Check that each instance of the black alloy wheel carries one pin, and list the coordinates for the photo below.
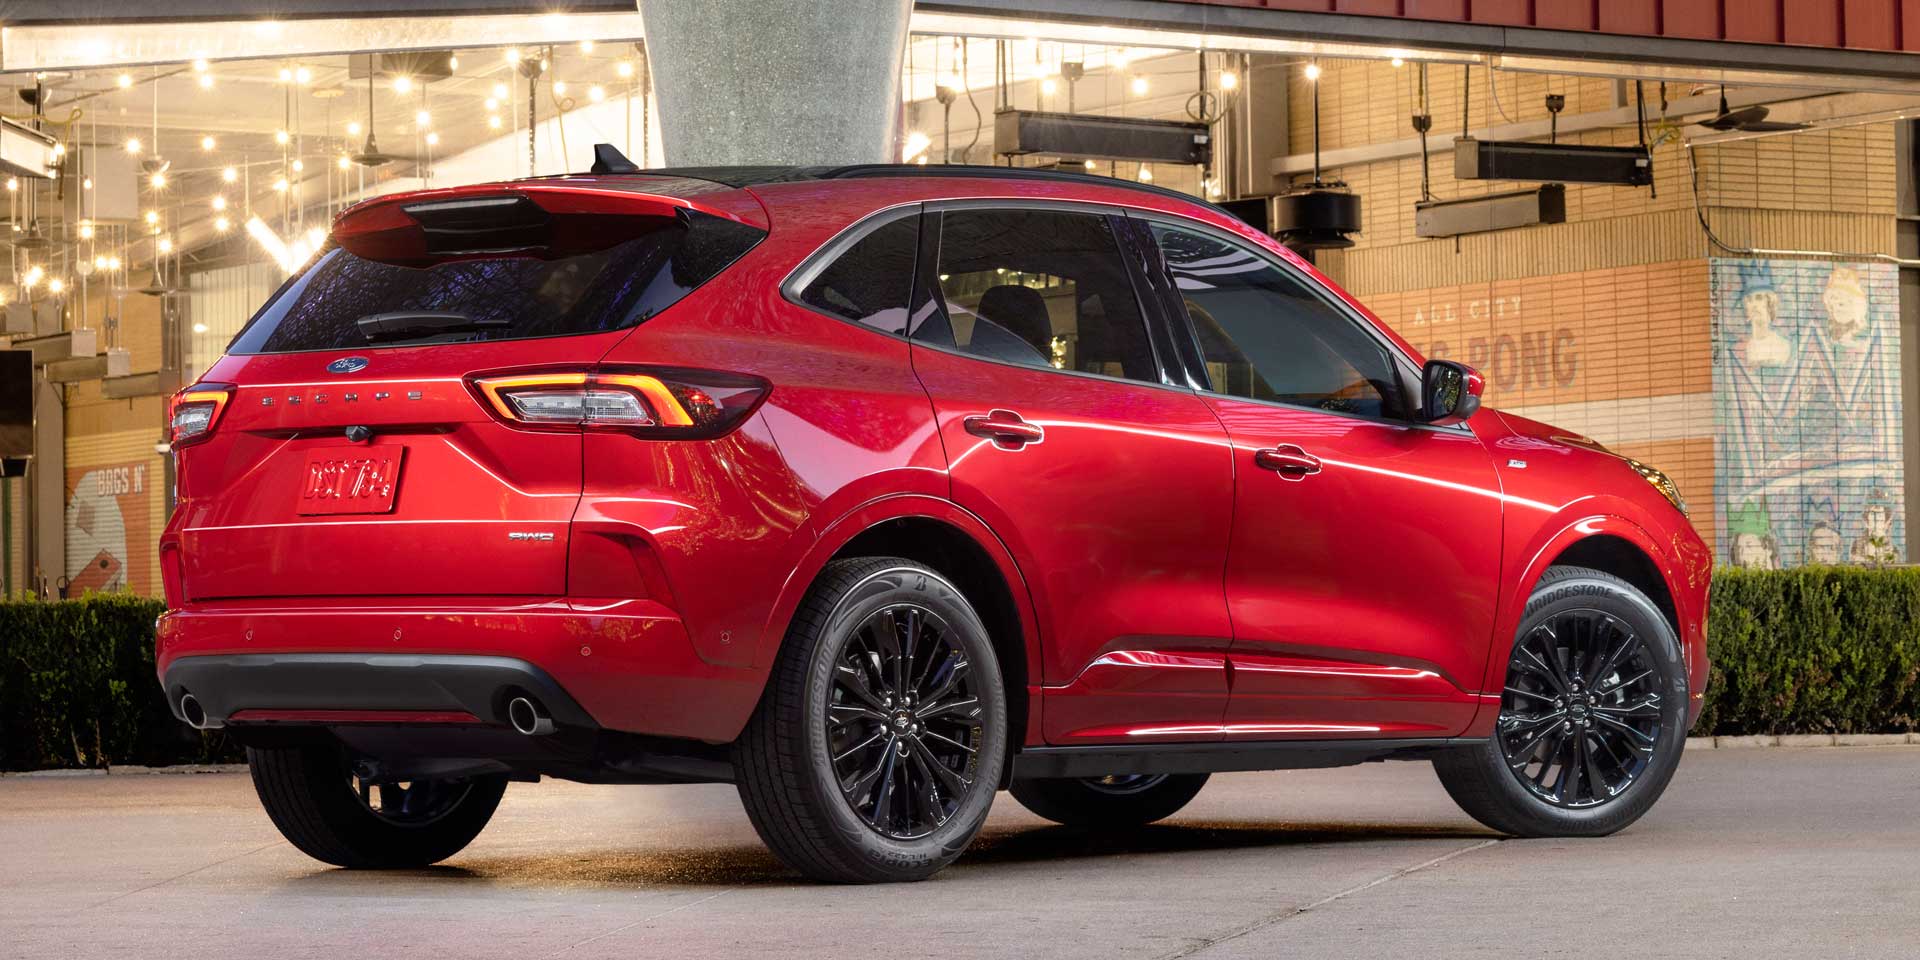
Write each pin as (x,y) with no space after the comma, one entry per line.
(1593,714)
(903,725)
(1580,717)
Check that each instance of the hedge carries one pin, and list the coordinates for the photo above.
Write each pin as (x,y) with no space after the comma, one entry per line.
(1809,650)
(77,688)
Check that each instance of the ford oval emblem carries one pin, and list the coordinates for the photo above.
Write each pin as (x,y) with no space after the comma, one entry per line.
(347,365)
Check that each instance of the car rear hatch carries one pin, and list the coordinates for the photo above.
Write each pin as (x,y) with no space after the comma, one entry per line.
(348,444)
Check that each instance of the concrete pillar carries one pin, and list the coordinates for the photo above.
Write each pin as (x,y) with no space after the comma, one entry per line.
(776,81)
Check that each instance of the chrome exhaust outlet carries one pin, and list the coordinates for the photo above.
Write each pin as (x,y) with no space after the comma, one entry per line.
(195,714)
(529,717)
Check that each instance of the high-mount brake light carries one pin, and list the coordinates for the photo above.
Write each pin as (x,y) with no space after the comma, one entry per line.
(195,411)
(689,404)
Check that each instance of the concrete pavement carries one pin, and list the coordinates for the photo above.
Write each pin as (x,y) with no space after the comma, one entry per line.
(1753,853)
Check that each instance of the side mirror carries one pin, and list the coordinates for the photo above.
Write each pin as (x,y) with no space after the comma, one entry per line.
(1449,392)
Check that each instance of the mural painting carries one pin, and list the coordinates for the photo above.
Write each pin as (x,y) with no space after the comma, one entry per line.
(1807,406)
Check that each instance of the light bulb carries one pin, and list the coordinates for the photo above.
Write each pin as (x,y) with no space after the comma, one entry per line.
(453,63)
(499,91)
(201,327)
(219,201)
(423,119)
(165,244)
(1146,175)
(345,162)
(152,217)
(493,122)
(206,81)
(159,179)
(596,93)
(586,46)
(280,137)
(1313,71)
(402,83)
(353,128)
(559,88)
(13,183)
(124,80)
(1089,164)
(100,262)
(86,184)
(286,74)
(1229,80)
(280,185)
(56,285)
(1139,86)
(916,145)
(33,275)
(1398,62)
(220,224)
(86,231)
(207,143)
(200,65)
(1048,86)
(624,69)
(493,103)
(113,263)
(229,174)
(513,55)
(433,138)
(302,75)
(133,144)
(299,165)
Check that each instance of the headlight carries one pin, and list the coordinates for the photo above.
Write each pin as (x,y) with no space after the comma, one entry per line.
(1661,482)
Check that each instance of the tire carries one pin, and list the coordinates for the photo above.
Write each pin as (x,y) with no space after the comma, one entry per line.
(1104,803)
(310,795)
(1551,715)
(813,788)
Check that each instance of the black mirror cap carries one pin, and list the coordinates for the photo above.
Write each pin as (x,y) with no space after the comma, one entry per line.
(1449,392)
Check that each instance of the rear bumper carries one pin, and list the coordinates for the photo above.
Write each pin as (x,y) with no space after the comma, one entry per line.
(626,666)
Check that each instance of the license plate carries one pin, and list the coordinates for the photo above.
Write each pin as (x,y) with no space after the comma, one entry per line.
(350,480)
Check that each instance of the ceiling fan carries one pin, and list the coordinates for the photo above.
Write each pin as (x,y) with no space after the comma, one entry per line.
(370,155)
(1746,119)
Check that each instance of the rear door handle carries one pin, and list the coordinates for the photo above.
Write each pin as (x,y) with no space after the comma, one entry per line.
(1287,460)
(1004,427)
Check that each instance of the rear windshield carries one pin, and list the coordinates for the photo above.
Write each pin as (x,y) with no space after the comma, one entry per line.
(506,297)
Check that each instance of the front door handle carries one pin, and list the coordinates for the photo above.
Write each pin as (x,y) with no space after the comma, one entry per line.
(1004,427)
(1287,460)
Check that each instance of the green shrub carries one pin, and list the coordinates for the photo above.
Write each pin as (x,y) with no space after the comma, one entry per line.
(77,688)
(1810,650)
(1813,650)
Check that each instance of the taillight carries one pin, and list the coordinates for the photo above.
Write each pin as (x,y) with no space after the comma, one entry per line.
(195,411)
(690,404)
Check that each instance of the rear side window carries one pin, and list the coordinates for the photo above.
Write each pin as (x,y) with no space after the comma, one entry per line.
(507,297)
(870,281)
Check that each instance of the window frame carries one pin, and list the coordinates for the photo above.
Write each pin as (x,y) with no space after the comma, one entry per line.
(810,267)
(1177,319)
(1159,339)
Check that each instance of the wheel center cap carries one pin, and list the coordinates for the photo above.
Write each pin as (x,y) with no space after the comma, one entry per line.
(902,720)
(1578,709)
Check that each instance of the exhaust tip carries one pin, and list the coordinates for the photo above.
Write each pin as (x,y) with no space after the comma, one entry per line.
(196,715)
(529,717)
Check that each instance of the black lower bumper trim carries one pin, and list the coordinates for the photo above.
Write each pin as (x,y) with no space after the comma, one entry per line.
(477,685)
(1123,759)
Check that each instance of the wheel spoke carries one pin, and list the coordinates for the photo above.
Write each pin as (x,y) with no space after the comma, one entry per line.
(854,681)
(928,796)
(1628,642)
(858,786)
(1533,664)
(856,748)
(951,706)
(883,794)
(1596,780)
(841,714)
(1650,707)
(955,782)
(955,674)
(1637,741)
(943,738)
(1516,724)
(1622,685)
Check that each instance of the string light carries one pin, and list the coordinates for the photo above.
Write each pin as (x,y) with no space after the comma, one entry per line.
(200,65)
(280,137)
(916,145)
(1048,86)
(207,144)
(219,201)
(453,62)
(113,263)
(423,119)
(302,75)
(596,93)
(1146,175)
(124,80)
(13,183)
(86,184)
(220,224)
(299,165)
(353,128)
(286,74)
(153,217)
(1313,71)
(1399,62)
(133,144)
(200,328)
(33,275)
(165,244)
(229,175)
(345,162)
(586,46)
(624,69)
(280,185)
(159,179)
(499,91)
(493,122)
(1139,86)
(493,103)
(86,231)
(1089,165)
(433,139)
(559,88)
(1229,80)
(56,286)
(513,55)
(206,81)
(402,83)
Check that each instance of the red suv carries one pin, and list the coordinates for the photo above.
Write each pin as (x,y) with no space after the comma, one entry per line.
(875,490)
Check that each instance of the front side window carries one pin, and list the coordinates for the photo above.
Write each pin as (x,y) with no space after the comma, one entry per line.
(1039,288)
(1267,334)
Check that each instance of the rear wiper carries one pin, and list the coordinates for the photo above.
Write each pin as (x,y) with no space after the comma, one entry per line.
(409,324)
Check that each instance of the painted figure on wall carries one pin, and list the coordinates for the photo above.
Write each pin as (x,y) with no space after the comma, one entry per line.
(1807,394)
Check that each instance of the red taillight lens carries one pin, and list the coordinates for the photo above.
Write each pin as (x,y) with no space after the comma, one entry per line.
(195,411)
(689,404)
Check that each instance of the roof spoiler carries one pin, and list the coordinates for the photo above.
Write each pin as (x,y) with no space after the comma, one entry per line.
(608,159)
